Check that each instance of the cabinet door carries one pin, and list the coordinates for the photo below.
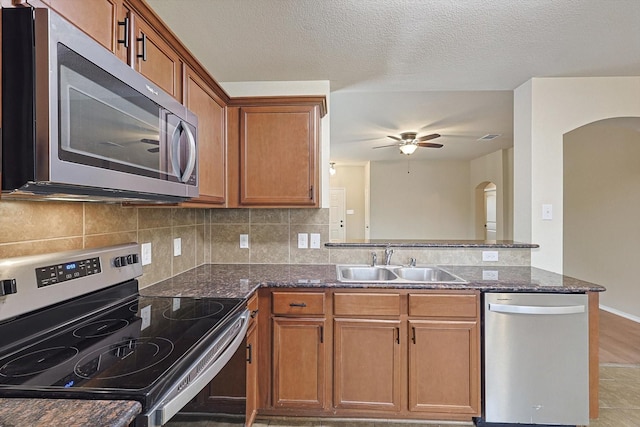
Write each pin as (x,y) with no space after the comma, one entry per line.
(210,109)
(252,375)
(98,18)
(155,59)
(298,363)
(444,367)
(278,155)
(367,364)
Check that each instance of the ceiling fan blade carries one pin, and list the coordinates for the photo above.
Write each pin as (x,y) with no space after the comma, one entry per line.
(394,137)
(385,146)
(429,137)
(429,145)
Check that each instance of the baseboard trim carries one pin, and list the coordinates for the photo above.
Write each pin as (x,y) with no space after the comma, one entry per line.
(620,313)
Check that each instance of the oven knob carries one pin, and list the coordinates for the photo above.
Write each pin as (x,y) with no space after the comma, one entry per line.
(120,261)
(132,259)
(8,286)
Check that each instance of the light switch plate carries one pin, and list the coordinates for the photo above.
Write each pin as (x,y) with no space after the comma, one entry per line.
(244,241)
(177,246)
(547,212)
(303,240)
(145,252)
(489,255)
(315,241)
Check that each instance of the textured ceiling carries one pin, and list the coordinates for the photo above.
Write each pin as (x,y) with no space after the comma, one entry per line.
(445,66)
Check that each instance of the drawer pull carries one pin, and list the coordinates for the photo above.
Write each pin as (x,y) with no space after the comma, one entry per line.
(297,304)
(254,313)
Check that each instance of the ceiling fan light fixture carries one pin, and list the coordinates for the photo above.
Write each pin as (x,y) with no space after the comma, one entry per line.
(408,148)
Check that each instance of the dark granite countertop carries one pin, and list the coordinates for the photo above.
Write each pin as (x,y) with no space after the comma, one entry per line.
(63,412)
(399,243)
(241,280)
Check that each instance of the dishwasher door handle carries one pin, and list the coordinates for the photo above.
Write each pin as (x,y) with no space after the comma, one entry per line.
(535,309)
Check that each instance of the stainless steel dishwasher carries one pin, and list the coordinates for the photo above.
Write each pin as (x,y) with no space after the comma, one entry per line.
(536,359)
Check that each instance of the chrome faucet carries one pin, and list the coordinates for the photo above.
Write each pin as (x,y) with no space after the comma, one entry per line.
(374,259)
(387,256)
(412,263)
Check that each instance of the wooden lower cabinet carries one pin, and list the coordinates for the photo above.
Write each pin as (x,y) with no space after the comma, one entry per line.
(299,363)
(367,369)
(252,374)
(387,354)
(444,367)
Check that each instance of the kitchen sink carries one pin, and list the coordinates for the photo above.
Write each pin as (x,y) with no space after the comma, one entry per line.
(365,274)
(425,274)
(396,274)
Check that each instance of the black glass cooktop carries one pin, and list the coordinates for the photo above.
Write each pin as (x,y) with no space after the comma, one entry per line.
(129,348)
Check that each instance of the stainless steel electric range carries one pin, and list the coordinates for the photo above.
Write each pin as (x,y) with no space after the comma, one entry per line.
(72,325)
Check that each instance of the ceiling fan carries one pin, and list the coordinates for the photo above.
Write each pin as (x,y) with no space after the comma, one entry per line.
(408,143)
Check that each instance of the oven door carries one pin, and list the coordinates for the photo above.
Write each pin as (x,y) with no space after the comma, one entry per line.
(199,373)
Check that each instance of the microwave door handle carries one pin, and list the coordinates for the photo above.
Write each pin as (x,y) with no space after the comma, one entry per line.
(175,152)
(191,163)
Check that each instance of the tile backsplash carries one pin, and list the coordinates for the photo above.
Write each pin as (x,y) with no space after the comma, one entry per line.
(208,236)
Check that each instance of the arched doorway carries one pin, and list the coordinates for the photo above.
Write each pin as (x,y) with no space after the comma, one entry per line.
(486,211)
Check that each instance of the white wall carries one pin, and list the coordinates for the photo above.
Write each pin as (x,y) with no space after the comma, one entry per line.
(430,202)
(544,110)
(602,208)
(274,88)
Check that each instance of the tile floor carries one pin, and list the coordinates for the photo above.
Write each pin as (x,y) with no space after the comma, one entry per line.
(619,407)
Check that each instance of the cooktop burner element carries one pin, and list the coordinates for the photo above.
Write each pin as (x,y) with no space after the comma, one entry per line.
(104,363)
(94,336)
(100,328)
(199,310)
(37,361)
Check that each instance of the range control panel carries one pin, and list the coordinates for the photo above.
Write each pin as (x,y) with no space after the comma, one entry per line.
(52,274)
(32,282)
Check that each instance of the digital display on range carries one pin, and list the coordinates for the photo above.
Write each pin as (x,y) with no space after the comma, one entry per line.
(52,274)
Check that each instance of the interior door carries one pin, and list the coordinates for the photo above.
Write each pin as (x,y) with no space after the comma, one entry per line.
(338,225)
(490,214)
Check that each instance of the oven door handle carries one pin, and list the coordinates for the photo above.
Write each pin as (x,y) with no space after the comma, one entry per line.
(167,408)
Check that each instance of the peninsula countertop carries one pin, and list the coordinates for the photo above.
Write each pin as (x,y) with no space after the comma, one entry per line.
(242,280)
(67,412)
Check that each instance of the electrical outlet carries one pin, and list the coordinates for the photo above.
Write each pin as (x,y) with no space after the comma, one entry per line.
(145,252)
(303,240)
(490,255)
(315,241)
(177,246)
(244,241)
(489,275)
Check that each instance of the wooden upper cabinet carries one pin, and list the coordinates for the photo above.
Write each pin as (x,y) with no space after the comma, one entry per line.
(104,20)
(155,59)
(279,153)
(211,112)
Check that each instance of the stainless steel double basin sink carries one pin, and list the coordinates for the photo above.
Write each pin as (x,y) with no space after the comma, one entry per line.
(395,273)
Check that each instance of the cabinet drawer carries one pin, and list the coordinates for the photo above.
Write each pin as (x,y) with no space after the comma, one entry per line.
(443,305)
(366,304)
(302,303)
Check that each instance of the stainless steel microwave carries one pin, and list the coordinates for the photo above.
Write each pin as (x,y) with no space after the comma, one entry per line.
(78,123)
